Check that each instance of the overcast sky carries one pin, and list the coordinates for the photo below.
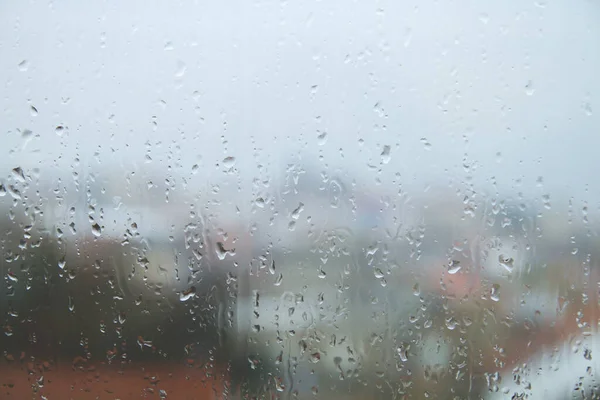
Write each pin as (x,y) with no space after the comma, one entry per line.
(508,88)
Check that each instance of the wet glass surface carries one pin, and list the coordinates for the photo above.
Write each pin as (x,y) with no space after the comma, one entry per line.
(299,200)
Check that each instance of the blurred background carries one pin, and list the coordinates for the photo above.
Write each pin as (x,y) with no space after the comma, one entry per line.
(281,200)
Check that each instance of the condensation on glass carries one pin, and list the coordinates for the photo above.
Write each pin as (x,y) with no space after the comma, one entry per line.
(299,200)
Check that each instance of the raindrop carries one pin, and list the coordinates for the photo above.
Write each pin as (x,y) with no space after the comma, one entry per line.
(59,130)
(454,266)
(506,262)
(26,134)
(187,294)
(279,279)
(18,174)
(253,361)
(181,68)
(315,357)
(96,230)
(297,211)
(385,154)
(426,143)
(279,385)
(23,65)
(546,201)
(407,37)
(33,111)
(12,277)
(322,138)
(272,268)
(495,292)
(61,263)
(260,202)
(402,353)
(529,89)
(222,252)
(229,162)
(416,290)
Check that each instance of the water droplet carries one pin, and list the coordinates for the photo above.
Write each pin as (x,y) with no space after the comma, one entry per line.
(402,353)
(33,111)
(181,68)
(59,130)
(426,143)
(61,263)
(23,65)
(297,211)
(187,294)
(279,279)
(12,277)
(407,37)
(96,230)
(272,268)
(495,292)
(529,89)
(506,262)
(26,134)
(321,138)
(279,385)
(222,252)
(18,174)
(454,266)
(260,202)
(416,290)
(315,357)
(587,108)
(169,46)
(546,200)
(385,154)
(253,361)
(229,162)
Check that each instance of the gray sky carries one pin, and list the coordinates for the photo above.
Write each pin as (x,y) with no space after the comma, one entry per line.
(508,88)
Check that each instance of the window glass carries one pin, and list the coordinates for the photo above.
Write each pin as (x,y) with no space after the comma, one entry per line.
(299,199)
